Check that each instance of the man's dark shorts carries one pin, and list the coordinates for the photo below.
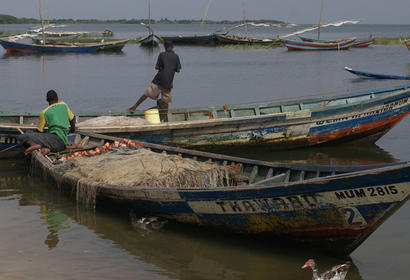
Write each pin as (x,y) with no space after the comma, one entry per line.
(45,140)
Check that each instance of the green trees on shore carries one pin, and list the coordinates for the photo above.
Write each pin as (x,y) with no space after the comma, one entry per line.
(7,19)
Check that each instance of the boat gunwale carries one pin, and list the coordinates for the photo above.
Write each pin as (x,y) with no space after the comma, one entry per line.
(294,101)
(350,171)
(315,115)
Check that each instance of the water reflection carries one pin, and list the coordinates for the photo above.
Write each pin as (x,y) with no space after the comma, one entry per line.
(177,251)
(347,154)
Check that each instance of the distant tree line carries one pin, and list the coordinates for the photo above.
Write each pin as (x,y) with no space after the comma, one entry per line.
(7,19)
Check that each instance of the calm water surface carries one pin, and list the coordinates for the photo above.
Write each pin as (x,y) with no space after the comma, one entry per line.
(44,235)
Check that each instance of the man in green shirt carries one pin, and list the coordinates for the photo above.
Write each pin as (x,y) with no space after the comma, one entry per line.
(60,121)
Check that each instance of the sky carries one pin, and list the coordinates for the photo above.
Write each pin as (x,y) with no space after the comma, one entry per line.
(291,11)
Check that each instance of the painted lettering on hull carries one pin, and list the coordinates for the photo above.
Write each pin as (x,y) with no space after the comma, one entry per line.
(336,199)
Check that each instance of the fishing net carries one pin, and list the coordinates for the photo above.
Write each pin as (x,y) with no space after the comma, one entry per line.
(114,121)
(142,167)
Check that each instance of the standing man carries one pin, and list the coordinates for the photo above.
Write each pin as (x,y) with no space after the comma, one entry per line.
(60,121)
(167,64)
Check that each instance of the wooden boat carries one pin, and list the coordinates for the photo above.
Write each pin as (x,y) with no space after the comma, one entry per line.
(376,75)
(294,45)
(149,41)
(363,115)
(407,43)
(17,47)
(105,45)
(331,208)
(236,40)
(208,39)
(359,42)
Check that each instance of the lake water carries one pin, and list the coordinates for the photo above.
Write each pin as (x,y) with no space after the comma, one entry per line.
(44,235)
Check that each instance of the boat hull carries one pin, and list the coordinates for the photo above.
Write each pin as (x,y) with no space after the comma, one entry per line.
(234,40)
(149,41)
(359,43)
(335,213)
(351,117)
(16,47)
(376,75)
(191,40)
(293,45)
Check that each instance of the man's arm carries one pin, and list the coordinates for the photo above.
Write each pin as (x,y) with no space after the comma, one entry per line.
(71,117)
(178,65)
(72,125)
(42,123)
(160,63)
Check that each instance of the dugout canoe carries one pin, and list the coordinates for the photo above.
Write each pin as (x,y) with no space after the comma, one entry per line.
(332,208)
(364,115)
(18,47)
(372,75)
(295,45)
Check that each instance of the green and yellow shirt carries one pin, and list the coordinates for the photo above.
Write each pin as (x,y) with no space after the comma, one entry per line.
(57,118)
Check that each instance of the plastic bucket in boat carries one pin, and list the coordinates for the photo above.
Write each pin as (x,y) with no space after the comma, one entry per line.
(152,115)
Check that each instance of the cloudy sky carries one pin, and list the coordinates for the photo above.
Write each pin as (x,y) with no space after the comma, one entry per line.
(293,11)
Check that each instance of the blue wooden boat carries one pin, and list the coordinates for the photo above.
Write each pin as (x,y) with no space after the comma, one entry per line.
(359,42)
(364,115)
(372,75)
(18,47)
(295,45)
(332,208)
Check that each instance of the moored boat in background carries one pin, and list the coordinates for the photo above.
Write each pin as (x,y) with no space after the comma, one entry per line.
(407,43)
(332,208)
(61,47)
(149,41)
(208,39)
(225,39)
(295,45)
(376,75)
(359,42)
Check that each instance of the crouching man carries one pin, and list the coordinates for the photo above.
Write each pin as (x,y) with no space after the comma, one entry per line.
(60,121)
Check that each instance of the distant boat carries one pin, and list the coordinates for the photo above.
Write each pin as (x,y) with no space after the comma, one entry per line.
(295,45)
(359,42)
(151,40)
(407,43)
(207,39)
(236,40)
(18,47)
(376,75)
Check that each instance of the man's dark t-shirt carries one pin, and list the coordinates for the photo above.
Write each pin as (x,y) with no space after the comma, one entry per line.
(168,63)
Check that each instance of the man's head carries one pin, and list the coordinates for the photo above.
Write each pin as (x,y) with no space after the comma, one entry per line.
(168,45)
(52,97)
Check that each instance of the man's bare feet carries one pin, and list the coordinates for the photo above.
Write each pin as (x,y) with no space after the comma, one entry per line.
(30,149)
(131,110)
(45,151)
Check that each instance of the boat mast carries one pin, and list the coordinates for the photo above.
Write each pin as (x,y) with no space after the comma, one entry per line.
(149,16)
(204,17)
(320,20)
(42,22)
(245,27)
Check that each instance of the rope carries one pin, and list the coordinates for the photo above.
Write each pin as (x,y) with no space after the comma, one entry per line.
(204,17)
(9,148)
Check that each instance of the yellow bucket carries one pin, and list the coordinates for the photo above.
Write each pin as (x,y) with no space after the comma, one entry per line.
(152,115)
